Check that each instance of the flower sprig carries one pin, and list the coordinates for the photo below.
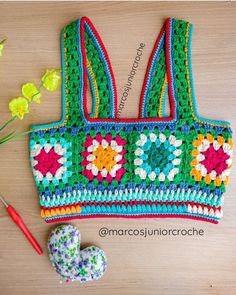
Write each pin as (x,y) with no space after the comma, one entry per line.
(2,44)
(30,93)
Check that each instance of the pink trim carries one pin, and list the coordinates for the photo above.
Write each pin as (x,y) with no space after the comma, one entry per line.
(132,217)
(169,68)
(148,70)
(83,20)
(125,120)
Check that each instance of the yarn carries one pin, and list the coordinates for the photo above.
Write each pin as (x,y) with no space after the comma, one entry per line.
(96,165)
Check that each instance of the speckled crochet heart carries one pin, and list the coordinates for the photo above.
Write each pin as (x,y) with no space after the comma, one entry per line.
(69,261)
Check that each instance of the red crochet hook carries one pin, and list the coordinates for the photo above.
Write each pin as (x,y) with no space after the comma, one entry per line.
(19,222)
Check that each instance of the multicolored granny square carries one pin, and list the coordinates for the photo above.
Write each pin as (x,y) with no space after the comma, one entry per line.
(94,164)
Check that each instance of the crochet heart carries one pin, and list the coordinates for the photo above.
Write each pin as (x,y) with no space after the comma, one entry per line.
(69,261)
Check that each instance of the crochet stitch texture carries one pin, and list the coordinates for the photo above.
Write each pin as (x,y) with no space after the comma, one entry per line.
(96,165)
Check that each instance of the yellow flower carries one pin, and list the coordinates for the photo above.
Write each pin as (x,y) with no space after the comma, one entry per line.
(31,92)
(2,46)
(51,80)
(19,107)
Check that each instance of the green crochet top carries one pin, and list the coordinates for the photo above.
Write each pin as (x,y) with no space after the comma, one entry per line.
(97,165)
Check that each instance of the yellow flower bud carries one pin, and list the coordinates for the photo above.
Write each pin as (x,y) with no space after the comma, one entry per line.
(2,44)
(19,107)
(51,80)
(31,92)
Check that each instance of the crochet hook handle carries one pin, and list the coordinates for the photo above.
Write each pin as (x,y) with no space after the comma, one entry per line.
(19,222)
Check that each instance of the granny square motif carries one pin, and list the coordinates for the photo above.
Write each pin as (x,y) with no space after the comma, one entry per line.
(158,165)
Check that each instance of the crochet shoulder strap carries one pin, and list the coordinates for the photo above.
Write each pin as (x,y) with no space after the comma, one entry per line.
(155,88)
(85,56)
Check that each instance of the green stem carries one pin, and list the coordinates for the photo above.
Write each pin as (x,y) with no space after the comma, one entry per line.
(7,123)
(14,137)
(6,137)
(3,41)
(40,87)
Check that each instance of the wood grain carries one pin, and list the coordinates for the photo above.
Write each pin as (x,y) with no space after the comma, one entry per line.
(154,265)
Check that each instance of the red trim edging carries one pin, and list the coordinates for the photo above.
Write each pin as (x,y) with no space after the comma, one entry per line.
(131,217)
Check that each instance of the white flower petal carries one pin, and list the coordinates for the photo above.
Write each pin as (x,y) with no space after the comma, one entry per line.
(59,172)
(152,176)
(138,161)
(94,170)
(36,150)
(216,145)
(59,150)
(142,140)
(226,148)
(162,176)
(213,174)
(104,144)
(91,148)
(47,147)
(143,137)
(142,173)
(172,173)
(204,146)
(49,176)
(113,144)
(118,148)
(203,171)
(138,152)
(34,162)
(89,166)
(227,172)
(153,137)
(178,143)
(117,158)
(62,160)
(95,143)
(38,175)
(137,171)
(223,175)
(172,139)
(176,161)
(177,152)
(175,171)
(114,169)
(200,157)
(90,157)
(162,137)
(199,167)
(104,172)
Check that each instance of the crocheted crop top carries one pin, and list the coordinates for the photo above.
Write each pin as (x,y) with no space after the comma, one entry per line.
(97,165)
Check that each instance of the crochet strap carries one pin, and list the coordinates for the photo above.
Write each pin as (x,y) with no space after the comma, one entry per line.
(155,89)
(85,57)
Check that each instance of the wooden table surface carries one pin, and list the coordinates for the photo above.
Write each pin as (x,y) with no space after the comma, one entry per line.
(136,265)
